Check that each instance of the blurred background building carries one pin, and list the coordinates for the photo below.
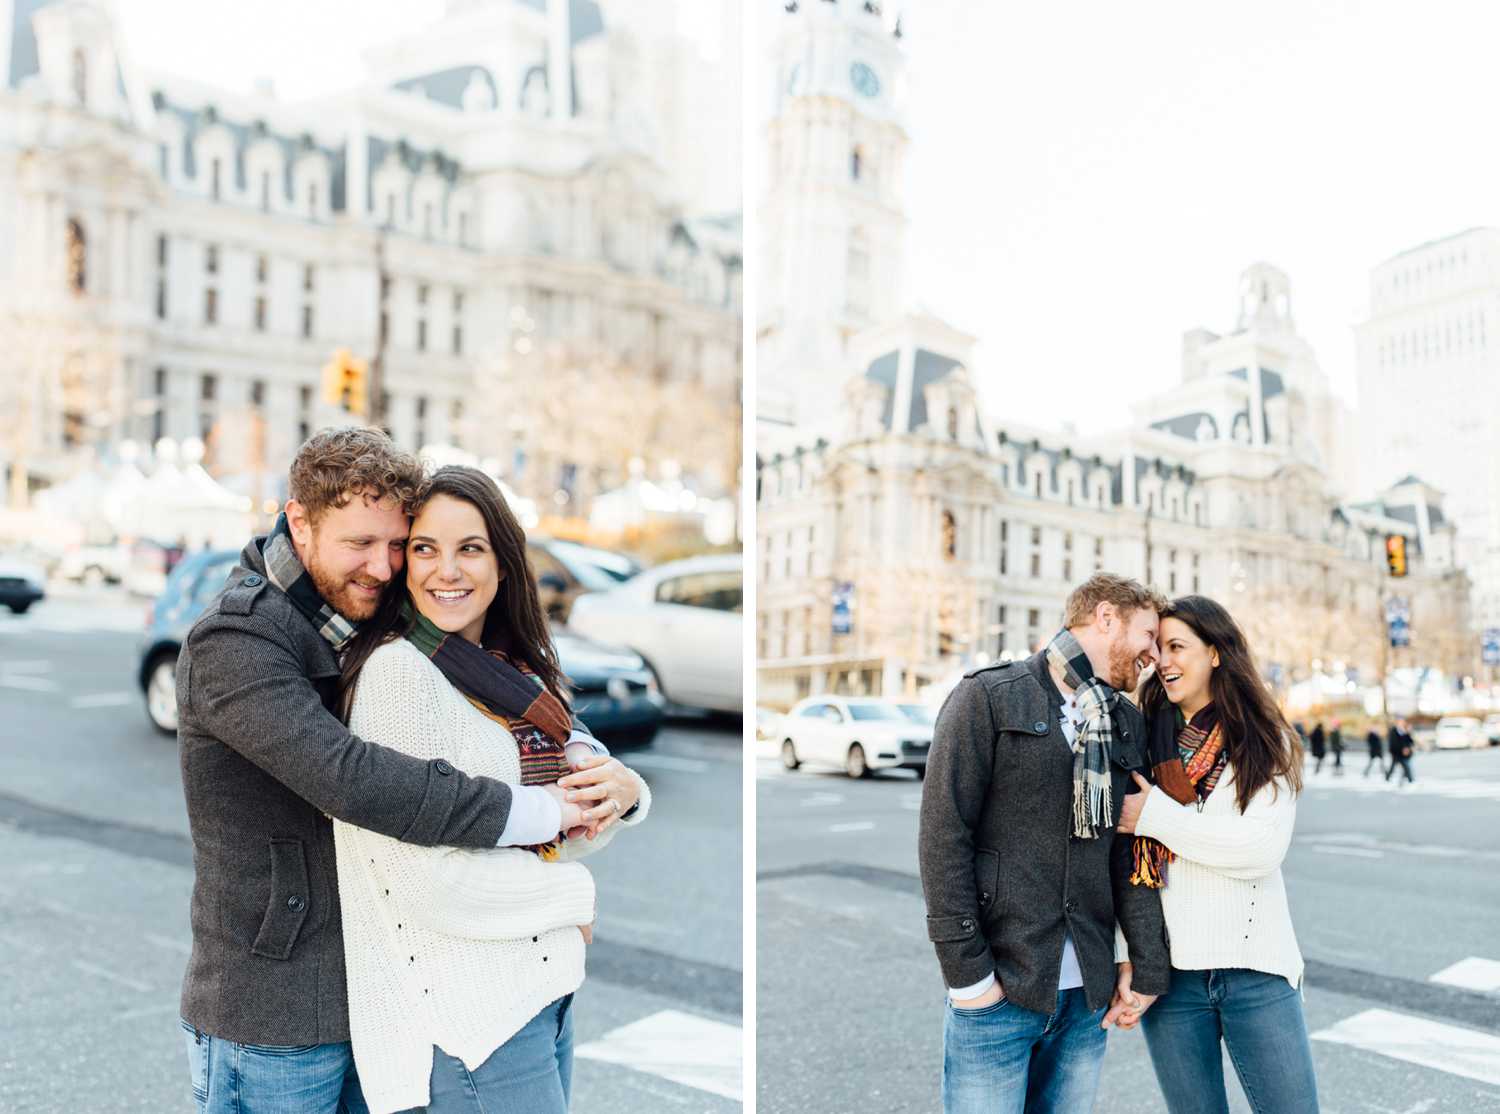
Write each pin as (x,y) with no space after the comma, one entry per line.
(524,243)
(905,534)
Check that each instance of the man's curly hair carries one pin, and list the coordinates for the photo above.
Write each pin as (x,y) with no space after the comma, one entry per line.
(334,465)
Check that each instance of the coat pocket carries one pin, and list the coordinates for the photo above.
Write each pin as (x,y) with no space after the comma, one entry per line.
(289,901)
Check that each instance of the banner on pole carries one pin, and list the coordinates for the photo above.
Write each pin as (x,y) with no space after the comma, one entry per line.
(1398,620)
(843,607)
(1489,646)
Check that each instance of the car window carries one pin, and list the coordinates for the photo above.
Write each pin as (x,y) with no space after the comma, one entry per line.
(918,713)
(812,711)
(543,562)
(616,566)
(832,714)
(875,711)
(211,580)
(720,590)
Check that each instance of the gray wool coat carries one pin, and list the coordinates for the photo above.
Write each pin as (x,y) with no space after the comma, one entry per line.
(265,763)
(1003,877)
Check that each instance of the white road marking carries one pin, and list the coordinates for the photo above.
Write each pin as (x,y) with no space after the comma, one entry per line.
(105,973)
(822,800)
(1416,1040)
(185,947)
(690,1050)
(1471,974)
(853,826)
(1455,788)
(666,762)
(1353,852)
(1431,850)
(25,666)
(912,803)
(28,684)
(104,700)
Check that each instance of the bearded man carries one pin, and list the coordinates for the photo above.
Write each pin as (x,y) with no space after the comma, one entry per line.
(1042,940)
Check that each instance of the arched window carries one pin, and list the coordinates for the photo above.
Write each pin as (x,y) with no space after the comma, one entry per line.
(80,77)
(77,247)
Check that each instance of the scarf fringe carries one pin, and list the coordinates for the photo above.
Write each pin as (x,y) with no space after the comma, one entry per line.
(1151,859)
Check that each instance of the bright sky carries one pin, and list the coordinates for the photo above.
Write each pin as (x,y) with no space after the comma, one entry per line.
(1088,180)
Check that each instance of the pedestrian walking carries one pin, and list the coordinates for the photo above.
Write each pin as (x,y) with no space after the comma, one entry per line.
(1023,874)
(1372,740)
(1319,748)
(1336,745)
(1399,743)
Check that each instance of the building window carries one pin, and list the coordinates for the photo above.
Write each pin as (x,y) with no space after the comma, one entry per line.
(307,322)
(856,163)
(1037,478)
(952,424)
(262,266)
(211,258)
(78,257)
(308,275)
(210,306)
(1000,628)
(161,299)
(161,251)
(427,220)
(1036,535)
(257,392)
(208,387)
(950,535)
(458,323)
(463,229)
(312,199)
(159,417)
(80,78)
(421,336)
(260,313)
(215,167)
(1098,554)
(265,191)
(1036,566)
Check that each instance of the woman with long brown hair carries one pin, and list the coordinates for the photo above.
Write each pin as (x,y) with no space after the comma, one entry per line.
(462,964)
(1211,833)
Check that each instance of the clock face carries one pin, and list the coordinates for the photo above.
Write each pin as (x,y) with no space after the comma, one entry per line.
(864,80)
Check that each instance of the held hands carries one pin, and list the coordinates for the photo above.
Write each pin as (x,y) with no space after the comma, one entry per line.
(1131,805)
(572,814)
(1126,1007)
(604,789)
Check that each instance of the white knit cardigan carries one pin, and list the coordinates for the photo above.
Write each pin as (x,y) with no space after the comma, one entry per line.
(1224,901)
(442,946)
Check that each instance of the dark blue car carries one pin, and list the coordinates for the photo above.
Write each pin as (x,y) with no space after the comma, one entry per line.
(614,692)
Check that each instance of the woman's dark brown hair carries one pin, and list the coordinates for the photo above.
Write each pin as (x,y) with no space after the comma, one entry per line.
(1259,743)
(515,624)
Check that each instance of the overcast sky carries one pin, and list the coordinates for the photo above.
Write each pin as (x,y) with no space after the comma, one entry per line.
(1088,180)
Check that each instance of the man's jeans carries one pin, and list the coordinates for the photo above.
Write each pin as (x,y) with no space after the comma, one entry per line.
(1259,1019)
(1003,1059)
(233,1078)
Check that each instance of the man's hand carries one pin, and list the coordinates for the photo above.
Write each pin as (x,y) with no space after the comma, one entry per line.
(588,932)
(988,998)
(1131,805)
(572,814)
(1126,1007)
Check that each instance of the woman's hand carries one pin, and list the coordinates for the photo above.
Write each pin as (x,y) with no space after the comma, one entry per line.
(572,814)
(604,789)
(1130,808)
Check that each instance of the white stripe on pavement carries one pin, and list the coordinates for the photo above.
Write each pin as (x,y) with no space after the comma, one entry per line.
(29,684)
(693,1051)
(1416,1040)
(1355,852)
(104,700)
(1471,974)
(853,826)
(1455,788)
(822,800)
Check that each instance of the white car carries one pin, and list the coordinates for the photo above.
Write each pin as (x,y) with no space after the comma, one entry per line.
(1459,733)
(1492,728)
(685,618)
(857,734)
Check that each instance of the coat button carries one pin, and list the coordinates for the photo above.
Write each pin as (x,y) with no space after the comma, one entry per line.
(1039,725)
(296,903)
(1071,906)
(252,581)
(968,923)
(442,767)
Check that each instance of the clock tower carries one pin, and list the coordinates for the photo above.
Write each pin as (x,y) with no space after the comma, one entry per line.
(831,216)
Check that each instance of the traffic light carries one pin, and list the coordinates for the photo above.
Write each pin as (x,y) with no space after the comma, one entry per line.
(346,383)
(1395,554)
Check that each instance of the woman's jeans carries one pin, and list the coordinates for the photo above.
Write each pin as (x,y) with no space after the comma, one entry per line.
(1258,1017)
(1004,1059)
(532,1073)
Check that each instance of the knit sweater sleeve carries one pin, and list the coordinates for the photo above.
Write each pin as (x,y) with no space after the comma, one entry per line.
(497,893)
(1249,845)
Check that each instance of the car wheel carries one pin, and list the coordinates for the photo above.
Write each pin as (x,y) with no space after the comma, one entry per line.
(921,773)
(789,757)
(19,608)
(161,694)
(854,764)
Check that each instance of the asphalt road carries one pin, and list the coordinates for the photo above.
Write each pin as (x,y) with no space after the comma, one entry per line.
(98,872)
(1388,888)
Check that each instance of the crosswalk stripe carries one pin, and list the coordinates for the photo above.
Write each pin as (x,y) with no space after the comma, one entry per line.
(1455,788)
(693,1051)
(1471,974)
(648,761)
(104,700)
(1417,1040)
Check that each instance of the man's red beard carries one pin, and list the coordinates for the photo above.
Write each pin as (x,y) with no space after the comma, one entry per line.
(338,594)
(1123,672)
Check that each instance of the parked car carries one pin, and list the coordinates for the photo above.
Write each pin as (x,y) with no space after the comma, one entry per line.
(614,692)
(96,564)
(685,619)
(1492,729)
(21,584)
(767,723)
(1459,733)
(859,735)
(566,570)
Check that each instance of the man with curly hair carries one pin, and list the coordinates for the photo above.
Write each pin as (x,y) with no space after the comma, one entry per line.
(266,763)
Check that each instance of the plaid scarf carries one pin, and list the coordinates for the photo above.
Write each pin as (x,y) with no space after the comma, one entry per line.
(284,569)
(506,692)
(1188,758)
(1092,807)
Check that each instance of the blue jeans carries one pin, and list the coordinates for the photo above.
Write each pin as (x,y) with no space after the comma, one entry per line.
(234,1078)
(532,1073)
(1258,1017)
(1003,1059)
